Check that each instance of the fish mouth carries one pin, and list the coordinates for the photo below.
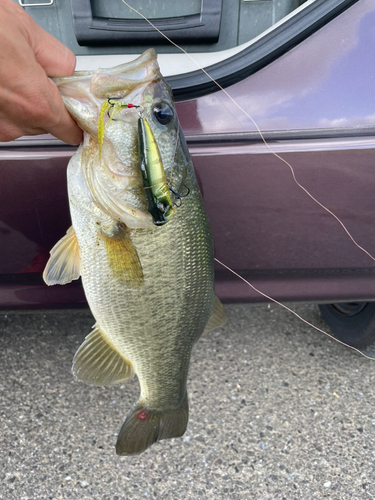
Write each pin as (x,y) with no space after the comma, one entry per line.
(108,104)
(116,81)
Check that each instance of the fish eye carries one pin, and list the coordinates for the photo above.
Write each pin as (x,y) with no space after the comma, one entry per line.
(163,113)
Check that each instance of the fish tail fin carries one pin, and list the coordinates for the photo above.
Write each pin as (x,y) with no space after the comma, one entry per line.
(143,427)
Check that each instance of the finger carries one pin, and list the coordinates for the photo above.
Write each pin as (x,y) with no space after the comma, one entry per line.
(9,131)
(67,131)
(54,57)
(30,102)
(45,109)
(65,128)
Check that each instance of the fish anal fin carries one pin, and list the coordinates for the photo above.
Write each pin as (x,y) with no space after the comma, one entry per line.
(122,256)
(64,264)
(98,362)
(143,427)
(218,317)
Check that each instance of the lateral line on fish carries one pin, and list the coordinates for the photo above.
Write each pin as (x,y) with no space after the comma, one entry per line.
(258,130)
(291,310)
(294,178)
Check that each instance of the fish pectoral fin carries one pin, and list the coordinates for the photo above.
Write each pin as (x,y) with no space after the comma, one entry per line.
(144,426)
(218,317)
(122,256)
(98,362)
(64,264)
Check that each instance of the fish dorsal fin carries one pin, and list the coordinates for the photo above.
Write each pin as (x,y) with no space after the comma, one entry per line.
(218,317)
(64,264)
(98,362)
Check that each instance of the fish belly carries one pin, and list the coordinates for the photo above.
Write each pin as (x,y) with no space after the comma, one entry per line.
(154,323)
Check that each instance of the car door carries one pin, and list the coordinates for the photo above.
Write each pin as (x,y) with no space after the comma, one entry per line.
(301,70)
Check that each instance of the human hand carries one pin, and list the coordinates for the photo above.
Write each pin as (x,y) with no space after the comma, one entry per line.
(30,102)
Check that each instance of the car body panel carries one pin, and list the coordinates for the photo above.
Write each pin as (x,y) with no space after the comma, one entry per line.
(316,107)
(325,82)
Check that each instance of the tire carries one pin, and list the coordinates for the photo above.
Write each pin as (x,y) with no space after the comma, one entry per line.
(351,322)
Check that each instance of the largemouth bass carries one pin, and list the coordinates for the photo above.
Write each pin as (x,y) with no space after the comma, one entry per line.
(146,268)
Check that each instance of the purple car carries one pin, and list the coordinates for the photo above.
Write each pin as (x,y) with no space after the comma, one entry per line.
(305,72)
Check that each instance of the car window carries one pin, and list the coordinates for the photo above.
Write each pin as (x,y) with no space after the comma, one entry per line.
(102,27)
(233,38)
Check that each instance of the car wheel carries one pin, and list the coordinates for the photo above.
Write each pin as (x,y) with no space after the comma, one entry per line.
(351,322)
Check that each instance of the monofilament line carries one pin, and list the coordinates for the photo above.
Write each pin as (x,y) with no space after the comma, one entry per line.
(291,310)
(294,178)
(258,130)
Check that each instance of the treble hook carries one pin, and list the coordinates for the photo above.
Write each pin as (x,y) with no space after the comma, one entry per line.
(119,105)
(178,195)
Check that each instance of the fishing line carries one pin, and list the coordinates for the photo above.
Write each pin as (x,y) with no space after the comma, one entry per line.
(294,178)
(258,130)
(291,310)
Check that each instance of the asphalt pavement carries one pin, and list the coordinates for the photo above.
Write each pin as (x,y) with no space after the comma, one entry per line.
(277,411)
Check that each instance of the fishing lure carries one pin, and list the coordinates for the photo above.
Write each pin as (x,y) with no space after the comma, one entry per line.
(110,105)
(157,190)
(159,202)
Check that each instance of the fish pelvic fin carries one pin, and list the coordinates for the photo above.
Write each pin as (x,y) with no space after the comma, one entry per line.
(218,317)
(64,264)
(144,427)
(98,362)
(122,256)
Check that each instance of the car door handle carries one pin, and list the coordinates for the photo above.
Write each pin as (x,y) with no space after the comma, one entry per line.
(44,4)
(197,28)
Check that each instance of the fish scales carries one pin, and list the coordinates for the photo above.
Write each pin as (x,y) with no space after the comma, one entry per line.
(149,287)
(173,304)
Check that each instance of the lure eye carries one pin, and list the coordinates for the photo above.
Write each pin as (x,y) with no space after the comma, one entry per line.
(161,206)
(163,113)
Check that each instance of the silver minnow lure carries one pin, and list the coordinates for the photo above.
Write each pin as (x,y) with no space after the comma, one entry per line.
(159,202)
